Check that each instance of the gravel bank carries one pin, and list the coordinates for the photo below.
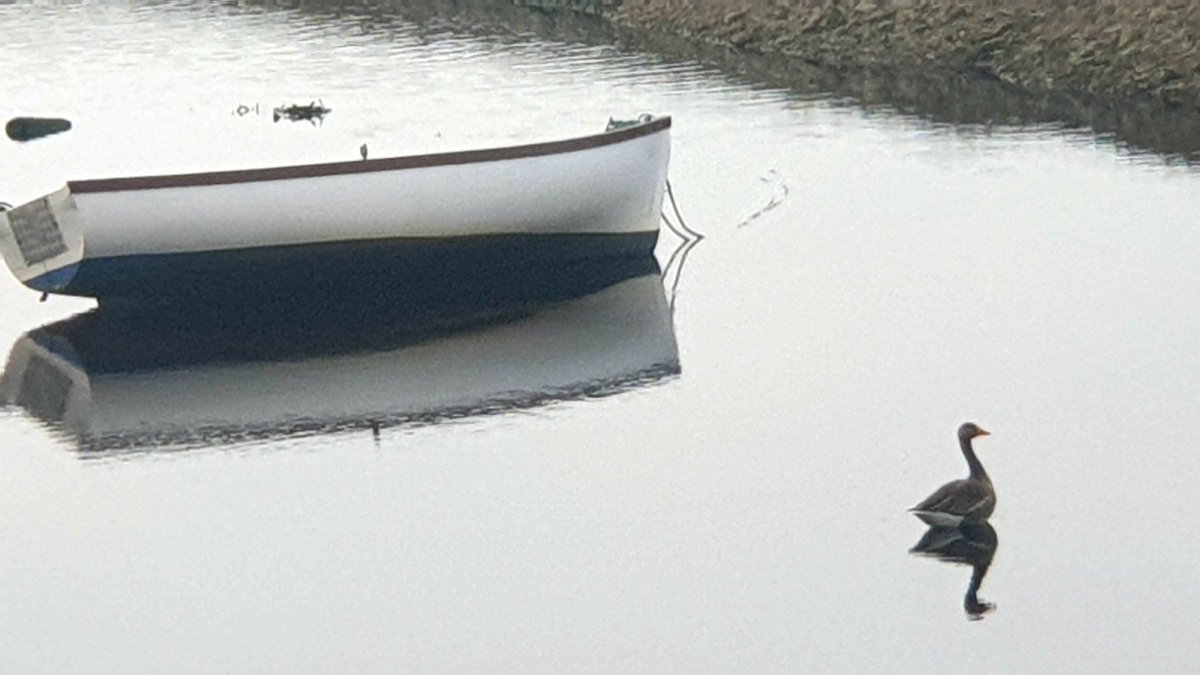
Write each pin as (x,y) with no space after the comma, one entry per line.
(1128,71)
(1139,52)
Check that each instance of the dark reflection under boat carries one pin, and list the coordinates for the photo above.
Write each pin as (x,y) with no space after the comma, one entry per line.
(125,380)
(972,544)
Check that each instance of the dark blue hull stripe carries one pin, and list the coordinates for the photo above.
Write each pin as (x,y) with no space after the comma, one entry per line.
(110,339)
(379,267)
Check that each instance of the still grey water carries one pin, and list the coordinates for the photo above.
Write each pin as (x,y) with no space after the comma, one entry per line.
(868,281)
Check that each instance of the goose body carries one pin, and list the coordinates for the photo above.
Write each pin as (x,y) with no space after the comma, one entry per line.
(968,500)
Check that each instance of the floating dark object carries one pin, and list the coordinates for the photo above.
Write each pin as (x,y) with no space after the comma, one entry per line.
(313,112)
(29,128)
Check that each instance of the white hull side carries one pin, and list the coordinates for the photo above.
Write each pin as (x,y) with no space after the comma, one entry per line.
(616,188)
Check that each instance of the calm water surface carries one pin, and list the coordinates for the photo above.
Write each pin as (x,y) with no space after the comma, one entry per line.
(867,283)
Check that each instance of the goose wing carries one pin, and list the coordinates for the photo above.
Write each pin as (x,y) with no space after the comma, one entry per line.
(967,498)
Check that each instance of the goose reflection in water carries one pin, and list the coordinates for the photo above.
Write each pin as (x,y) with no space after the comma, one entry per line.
(116,381)
(971,544)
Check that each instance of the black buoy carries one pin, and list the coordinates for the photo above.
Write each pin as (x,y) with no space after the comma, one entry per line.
(29,128)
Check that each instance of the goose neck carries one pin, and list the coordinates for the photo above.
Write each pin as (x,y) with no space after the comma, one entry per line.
(977,471)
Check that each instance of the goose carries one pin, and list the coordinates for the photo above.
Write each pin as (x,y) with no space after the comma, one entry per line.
(969,500)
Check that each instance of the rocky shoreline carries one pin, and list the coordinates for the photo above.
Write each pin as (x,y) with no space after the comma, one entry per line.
(1137,52)
(1126,70)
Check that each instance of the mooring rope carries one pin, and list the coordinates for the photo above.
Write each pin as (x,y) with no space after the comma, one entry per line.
(687,233)
(690,239)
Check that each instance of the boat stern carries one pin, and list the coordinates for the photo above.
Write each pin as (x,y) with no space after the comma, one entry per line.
(41,241)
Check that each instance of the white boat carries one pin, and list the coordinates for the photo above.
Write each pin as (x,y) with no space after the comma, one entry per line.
(257,233)
(115,383)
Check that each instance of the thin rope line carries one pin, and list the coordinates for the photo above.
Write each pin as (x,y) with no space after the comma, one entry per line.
(690,239)
(691,234)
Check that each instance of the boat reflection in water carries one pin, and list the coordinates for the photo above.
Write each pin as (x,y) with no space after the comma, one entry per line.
(972,544)
(116,380)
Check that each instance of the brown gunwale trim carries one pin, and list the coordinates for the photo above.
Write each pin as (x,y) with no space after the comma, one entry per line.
(371,165)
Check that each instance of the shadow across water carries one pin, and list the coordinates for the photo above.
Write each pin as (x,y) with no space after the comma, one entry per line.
(121,380)
(973,545)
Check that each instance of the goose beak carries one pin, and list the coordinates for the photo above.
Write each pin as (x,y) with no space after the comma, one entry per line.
(983,432)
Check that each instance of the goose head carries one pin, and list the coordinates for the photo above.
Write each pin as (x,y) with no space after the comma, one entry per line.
(970,430)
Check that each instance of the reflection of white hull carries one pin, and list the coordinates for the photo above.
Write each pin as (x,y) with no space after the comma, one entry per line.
(167,235)
(617,337)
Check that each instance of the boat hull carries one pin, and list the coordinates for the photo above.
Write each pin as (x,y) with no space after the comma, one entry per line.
(264,230)
(388,268)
